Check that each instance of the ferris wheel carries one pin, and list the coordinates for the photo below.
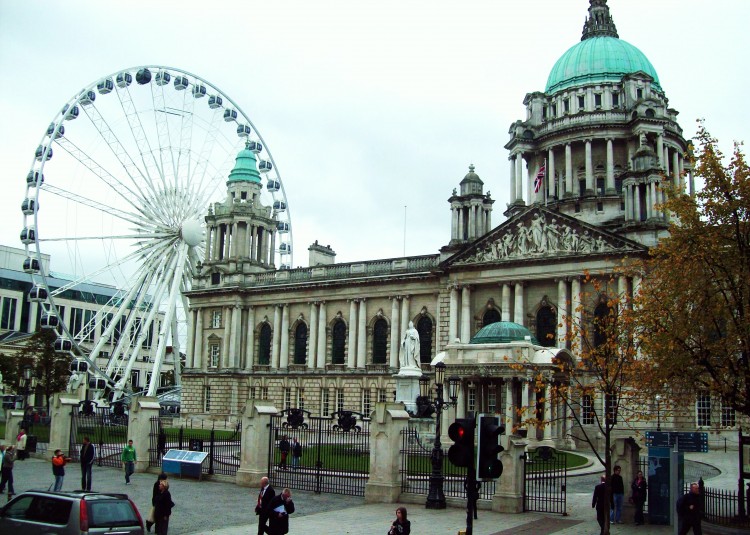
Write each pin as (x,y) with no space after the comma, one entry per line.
(116,196)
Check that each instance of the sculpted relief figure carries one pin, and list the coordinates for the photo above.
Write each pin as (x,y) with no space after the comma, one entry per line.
(410,357)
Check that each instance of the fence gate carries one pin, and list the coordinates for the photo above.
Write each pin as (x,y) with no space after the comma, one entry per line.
(335,452)
(106,427)
(545,480)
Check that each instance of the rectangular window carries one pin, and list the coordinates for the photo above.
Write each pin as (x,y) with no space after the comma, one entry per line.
(8,313)
(544,112)
(728,417)
(554,110)
(492,399)
(301,398)
(598,100)
(611,408)
(148,378)
(703,409)
(639,93)
(325,402)
(75,321)
(471,399)
(615,100)
(581,102)
(287,398)
(382,395)
(216,319)
(206,399)
(566,105)
(89,325)
(135,377)
(252,392)
(587,410)
(339,399)
(366,402)
(214,352)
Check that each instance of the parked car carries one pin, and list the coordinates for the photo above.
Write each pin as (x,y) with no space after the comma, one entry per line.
(39,512)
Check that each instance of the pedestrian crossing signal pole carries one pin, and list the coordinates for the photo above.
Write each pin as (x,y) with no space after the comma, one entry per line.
(488,464)
(461,454)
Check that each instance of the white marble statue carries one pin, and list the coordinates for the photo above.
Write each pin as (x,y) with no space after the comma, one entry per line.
(74,382)
(410,348)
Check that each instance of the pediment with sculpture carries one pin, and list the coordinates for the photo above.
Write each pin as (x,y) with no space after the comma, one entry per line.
(539,233)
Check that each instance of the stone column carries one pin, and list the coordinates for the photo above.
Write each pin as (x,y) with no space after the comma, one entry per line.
(509,490)
(227,240)
(14,419)
(227,337)
(405,315)
(562,305)
(589,169)
(256,435)
(676,168)
(59,431)
(610,182)
(313,340)
(395,334)
(209,241)
(519,177)
(660,149)
(142,409)
(575,305)
(198,360)
(505,302)
(568,170)
(551,173)
(284,356)
(362,334)
(453,315)
(250,347)
(509,410)
(512,161)
(636,202)
(519,307)
(276,337)
(525,414)
(472,222)
(352,352)
(216,241)
(253,242)
(547,412)
(322,324)
(465,314)
(461,223)
(384,483)
(190,339)
(627,191)
(625,453)
(236,337)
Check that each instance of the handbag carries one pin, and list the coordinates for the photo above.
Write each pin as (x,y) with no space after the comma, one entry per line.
(152,515)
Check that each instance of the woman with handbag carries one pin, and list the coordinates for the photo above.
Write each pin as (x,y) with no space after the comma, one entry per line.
(151,519)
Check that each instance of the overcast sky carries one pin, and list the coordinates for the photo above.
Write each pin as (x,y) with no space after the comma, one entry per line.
(367,107)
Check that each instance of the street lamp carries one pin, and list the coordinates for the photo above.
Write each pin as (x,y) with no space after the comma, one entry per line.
(435,496)
(26,371)
(658,412)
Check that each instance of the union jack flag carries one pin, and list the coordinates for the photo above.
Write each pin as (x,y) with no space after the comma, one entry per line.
(539,179)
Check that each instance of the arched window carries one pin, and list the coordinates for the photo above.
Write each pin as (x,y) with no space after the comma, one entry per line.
(424,328)
(300,344)
(379,341)
(546,326)
(339,342)
(601,322)
(491,315)
(264,345)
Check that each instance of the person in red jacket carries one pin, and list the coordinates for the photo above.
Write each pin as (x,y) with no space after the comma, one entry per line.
(58,468)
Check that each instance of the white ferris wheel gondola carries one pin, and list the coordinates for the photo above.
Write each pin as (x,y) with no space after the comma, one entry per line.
(125,198)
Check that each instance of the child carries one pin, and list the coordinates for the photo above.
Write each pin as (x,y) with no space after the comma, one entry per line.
(58,468)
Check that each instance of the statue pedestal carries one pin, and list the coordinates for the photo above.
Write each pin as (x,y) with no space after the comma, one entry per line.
(407,388)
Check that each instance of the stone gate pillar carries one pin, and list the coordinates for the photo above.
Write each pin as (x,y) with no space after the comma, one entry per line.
(142,409)
(60,418)
(254,417)
(509,488)
(626,453)
(384,483)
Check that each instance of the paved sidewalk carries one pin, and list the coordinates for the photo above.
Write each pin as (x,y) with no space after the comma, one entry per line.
(221,507)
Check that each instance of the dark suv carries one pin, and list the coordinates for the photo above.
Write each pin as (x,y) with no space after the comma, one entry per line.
(78,512)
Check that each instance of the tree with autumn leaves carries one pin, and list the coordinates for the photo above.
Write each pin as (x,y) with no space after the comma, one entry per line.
(694,301)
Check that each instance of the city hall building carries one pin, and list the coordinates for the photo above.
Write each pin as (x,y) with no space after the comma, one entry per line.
(592,153)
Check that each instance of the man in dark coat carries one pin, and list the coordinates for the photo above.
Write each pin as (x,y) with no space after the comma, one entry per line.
(689,511)
(284,449)
(601,504)
(87,456)
(8,458)
(262,509)
(279,510)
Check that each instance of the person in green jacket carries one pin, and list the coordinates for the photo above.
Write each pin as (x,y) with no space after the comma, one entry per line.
(128,460)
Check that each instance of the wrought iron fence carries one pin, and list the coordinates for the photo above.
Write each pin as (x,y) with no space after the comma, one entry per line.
(722,506)
(108,433)
(416,468)
(223,446)
(39,430)
(545,481)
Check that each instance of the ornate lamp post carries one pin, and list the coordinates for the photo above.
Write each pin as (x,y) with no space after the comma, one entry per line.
(26,372)
(435,497)
(658,412)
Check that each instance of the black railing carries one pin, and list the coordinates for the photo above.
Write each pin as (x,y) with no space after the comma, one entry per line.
(223,446)
(416,467)
(721,506)
(109,434)
(545,481)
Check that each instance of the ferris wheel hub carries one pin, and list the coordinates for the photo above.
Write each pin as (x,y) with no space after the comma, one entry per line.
(192,232)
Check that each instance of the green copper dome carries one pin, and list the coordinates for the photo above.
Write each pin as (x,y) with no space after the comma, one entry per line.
(598,59)
(245,168)
(502,332)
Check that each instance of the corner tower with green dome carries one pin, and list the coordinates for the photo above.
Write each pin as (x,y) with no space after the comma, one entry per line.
(602,110)
(241,231)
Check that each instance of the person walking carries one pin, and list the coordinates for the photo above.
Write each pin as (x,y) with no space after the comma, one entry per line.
(87,456)
(21,454)
(618,496)
(284,449)
(296,453)
(639,489)
(400,526)
(8,458)
(58,469)
(151,519)
(262,509)
(163,508)
(280,508)
(601,504)
(128,460)
(689,511)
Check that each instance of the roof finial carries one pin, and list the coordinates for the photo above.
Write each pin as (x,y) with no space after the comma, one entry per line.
(599,23)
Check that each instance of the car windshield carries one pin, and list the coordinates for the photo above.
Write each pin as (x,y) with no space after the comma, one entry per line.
(109,513)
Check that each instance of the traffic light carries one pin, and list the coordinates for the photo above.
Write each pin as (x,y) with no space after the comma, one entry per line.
(461,432)
(488,465)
